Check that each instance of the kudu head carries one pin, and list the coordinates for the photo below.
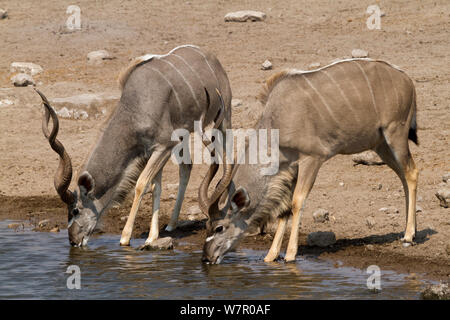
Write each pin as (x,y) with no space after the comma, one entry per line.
(82,213)
(223,230)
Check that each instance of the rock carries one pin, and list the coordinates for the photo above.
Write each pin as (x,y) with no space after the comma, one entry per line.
(368,158)
(314,65)
(419,209)
(44,223)
(6,103)
(267,65)
(389,210)
(446,177)
(370,247)
(172,186)
(370,222)
(65,113)
(439,291)
(447,249)
(444,197)
(359,53)
(321,239)
(236,103)
(26,67)
(85,105)
(3,14)
(55,229)
(22,80)
(245,15)
(341,184)
(123,218)
(97,57)
(321,215)
(159,244)
(172,196)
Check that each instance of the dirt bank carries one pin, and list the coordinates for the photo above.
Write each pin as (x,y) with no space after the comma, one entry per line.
(413,35)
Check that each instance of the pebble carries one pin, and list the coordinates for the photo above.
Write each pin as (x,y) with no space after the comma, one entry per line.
(97,57)
(55,229)
(314,65)
(446,177)
(389,210)
(3,14)
(368,158)
(22,80)
(321,215)
(359,53)
(267,65)
(245,15)
(444,197)
(43,223)
(26,67)
(370,222)
(236,103)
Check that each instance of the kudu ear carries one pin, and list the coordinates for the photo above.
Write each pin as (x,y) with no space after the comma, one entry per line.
(240,199)
(86,183)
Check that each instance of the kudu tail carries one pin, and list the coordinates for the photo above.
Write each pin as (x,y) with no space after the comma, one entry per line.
(412,134)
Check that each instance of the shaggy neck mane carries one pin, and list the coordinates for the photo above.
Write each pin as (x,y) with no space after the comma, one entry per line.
(128,180)
(277,200)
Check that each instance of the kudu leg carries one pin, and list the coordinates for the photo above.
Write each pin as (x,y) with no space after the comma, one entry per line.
(156,200)
(185,173)
(156,162)
(399,159)
(274,251)
(307,172)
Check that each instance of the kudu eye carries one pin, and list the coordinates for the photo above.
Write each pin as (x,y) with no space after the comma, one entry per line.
(75,212)
(219,229)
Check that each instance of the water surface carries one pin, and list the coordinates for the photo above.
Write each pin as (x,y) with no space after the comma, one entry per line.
(33,265)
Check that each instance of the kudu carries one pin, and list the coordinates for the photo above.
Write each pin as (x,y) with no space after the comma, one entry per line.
(343,108)
(160,93)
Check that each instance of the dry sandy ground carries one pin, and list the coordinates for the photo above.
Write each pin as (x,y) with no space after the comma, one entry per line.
(414,36)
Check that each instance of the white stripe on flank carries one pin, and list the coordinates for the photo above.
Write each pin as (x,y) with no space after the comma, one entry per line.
(189,66)
(330,111)
(393,87)
(171,85)
(298,71)
(369,86)
(207,62)
(347,102)
(184,79)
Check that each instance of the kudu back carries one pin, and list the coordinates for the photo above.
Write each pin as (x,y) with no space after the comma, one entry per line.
(161,93)
(344,108)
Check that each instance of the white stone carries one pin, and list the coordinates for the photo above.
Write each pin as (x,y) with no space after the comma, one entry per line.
(370,222)
(267,65)
(321,215)
(236,103)
(6,102)
(159,244)
(97,57)
(22,80)
(359,53)
(444,197)
(446,177)
(314,65)
(65,113)
(3,14)
(368,158)
(26,67)
(389,210)
(245,15)
(321,239)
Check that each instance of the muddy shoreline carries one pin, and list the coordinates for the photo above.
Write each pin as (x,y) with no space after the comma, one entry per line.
(359,252)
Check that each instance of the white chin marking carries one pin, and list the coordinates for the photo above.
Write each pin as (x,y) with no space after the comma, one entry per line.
(209,238)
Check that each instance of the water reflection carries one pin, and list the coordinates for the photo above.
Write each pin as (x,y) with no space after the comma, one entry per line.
(33,265)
